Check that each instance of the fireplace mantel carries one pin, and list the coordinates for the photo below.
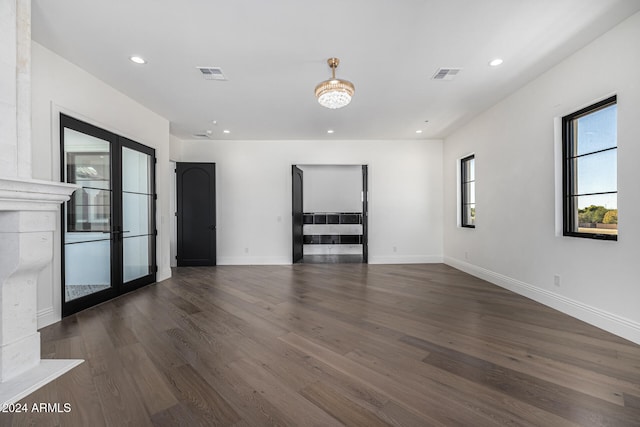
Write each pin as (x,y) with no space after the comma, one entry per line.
(27,220)
(19,194)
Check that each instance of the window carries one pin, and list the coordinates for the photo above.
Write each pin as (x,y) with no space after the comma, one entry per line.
(468,191)
(590,187)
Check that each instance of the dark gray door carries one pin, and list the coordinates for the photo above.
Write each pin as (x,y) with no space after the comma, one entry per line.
(196,194)
(365,214)
(296,214)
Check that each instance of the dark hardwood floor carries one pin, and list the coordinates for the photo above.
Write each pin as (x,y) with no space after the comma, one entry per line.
(334,344)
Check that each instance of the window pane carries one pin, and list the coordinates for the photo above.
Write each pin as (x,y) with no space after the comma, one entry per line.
(89,210)
(469,214)
(596,214)
(87,160)
(597,173)
(469,192)
(468,170)
(87,264)
(597,131)
(135,214)
(135,171)
(137,261)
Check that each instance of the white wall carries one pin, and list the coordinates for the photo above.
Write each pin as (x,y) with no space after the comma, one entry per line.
(329,188)
(175,148)
(60,86)
(254,195)
(516,242)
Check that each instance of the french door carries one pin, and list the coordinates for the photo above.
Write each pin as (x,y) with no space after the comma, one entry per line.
(108,241)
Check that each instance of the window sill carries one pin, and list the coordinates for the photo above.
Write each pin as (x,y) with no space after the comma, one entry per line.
(611,237)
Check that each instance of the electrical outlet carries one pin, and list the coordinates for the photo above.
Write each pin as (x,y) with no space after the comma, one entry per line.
(395,249)
(246,250)
(466,255)
(556,280)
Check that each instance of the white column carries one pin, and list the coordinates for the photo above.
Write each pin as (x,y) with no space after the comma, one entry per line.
(27,216)
(8,89)
(23,87)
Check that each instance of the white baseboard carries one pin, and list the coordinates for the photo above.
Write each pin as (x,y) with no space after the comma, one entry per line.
(163,274)
(405,259)
(610,322)
(46,317)
(399,259)
(253,261)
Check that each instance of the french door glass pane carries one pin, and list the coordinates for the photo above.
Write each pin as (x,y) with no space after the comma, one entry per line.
(136,207)
(135,171)
(87,246)
(136,257)
(135,210)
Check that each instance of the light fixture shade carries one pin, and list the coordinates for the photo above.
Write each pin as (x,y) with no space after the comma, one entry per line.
(334,93)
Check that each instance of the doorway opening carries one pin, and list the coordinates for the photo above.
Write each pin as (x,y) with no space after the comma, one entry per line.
(330,214)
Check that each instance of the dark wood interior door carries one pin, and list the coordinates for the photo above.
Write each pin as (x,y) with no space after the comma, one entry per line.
(297,214)
(196,197)
(365,214)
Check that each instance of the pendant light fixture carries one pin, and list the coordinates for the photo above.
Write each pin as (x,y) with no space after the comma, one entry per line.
(334,93)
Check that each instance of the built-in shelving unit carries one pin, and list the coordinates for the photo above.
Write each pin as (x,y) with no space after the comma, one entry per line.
(334,233)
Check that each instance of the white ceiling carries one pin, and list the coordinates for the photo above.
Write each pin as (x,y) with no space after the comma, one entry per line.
(274,53)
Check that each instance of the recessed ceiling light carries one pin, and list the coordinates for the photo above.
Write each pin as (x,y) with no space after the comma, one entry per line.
(419,131)
(137,59)
(226,131)
(496,62)
(330,131)
(215,122)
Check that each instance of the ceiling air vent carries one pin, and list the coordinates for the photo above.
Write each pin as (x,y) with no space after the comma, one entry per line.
(212,73)
(446,73)
(201,135)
